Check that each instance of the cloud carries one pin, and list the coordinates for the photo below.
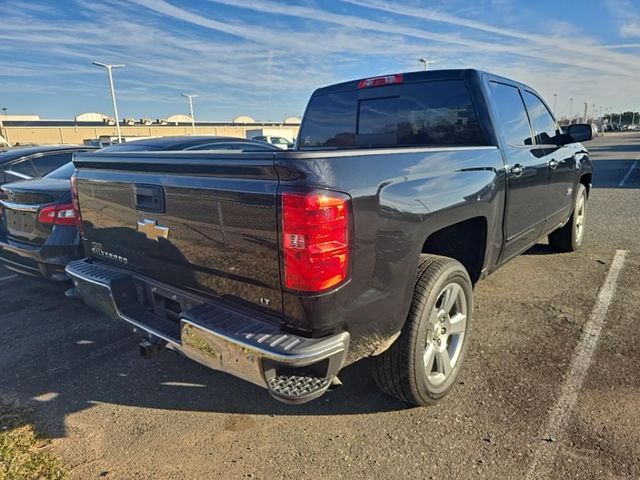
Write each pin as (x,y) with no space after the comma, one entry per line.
(263,58)
(627,16)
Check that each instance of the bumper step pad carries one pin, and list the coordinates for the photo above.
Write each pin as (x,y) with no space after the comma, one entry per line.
(295,387)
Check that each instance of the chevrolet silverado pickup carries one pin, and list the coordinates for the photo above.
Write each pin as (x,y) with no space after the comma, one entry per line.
(366,240)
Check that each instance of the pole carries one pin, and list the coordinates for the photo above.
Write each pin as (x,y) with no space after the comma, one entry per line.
(113,94)
(115,105)
(555,101)
(193,120)
(570,110)
(584,119)
(425,62)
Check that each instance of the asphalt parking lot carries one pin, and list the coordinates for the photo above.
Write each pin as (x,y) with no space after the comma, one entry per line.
(551,387)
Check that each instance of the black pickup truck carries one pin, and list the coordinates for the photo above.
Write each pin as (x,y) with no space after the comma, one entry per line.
(365,240)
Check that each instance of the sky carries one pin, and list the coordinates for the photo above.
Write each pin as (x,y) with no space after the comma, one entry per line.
(263,58)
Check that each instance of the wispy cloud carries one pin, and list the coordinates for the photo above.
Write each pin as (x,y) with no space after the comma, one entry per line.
(627,16)
(263,58)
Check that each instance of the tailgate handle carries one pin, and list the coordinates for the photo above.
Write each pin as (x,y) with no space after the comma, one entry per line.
(149,198)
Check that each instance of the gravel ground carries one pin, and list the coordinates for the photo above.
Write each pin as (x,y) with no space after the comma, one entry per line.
(114,415)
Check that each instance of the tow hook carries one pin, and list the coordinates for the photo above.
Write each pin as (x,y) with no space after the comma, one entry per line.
(335,384)
(72,293)
(149,347)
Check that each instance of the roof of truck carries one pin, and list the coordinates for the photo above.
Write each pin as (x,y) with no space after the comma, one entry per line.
(419,76)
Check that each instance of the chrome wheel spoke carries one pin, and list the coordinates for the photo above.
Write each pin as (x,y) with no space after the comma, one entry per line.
(458,324)
(443,362)
(429,357)
(451,295)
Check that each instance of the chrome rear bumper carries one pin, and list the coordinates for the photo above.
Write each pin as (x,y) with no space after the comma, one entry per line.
(293,368)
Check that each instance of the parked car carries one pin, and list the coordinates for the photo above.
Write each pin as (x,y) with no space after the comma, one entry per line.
(403,192)
(280,142)
(38,233)
(196,142)
(24,163)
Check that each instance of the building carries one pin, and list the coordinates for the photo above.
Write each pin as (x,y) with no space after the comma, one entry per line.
(31,129)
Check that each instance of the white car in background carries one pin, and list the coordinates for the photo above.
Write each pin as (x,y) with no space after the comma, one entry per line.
(279,142)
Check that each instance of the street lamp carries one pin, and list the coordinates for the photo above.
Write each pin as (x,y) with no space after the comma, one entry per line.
(570,110)
(555,101)
(113,94)
(426,62)
(193,121)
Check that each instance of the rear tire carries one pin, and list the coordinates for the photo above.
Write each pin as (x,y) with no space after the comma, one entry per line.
(569,237)
(423,364)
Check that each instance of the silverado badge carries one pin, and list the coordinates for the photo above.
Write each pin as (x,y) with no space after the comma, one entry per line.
(152,230)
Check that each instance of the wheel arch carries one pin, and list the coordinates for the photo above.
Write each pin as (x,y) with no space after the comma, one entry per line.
(464,241)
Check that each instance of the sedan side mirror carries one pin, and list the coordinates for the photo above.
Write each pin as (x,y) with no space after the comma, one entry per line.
(580,132)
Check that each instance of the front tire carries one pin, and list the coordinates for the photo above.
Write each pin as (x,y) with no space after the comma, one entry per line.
(424,362)
(569,237)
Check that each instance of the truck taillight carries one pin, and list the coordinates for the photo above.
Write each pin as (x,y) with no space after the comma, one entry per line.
(315,236)
(76,205)
(63,214)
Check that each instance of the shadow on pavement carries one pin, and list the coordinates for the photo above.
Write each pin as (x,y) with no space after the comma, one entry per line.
(68,359)
(616,173)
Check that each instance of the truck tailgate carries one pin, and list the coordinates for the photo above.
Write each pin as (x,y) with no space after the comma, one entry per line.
(210,229)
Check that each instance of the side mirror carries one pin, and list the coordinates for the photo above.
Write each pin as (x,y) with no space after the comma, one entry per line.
(580,132)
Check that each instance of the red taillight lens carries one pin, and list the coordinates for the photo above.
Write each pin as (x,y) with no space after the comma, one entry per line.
(380,81)
(315,232)
(58,215)
(76,205)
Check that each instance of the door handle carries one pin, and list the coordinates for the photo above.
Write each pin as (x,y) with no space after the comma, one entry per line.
(517,170)
(553,164)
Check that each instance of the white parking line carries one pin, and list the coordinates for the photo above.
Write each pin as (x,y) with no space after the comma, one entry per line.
(8,277)
(626,177)
(554,430)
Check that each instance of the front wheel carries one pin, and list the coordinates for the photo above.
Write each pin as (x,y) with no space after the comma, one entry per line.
(424,362)
(569,237)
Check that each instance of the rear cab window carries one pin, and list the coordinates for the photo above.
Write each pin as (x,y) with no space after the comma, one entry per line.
(424,114)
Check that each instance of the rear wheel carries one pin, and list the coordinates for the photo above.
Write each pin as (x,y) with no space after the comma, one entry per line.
(424,362)
(569,237)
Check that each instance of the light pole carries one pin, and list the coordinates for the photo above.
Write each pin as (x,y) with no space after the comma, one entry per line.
(555,101)
(113,94)
(570,110)
(426,62)
(193,121)
(584,119)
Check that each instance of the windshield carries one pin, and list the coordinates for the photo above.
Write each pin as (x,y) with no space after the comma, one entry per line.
(63,172)
(279,140)
(433,113)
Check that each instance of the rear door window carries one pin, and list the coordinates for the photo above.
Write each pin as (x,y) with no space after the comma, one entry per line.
(48,163)
(514,122)
(21,170)
(436,113)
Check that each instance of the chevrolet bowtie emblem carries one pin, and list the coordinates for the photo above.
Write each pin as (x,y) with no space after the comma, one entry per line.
(152,230)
